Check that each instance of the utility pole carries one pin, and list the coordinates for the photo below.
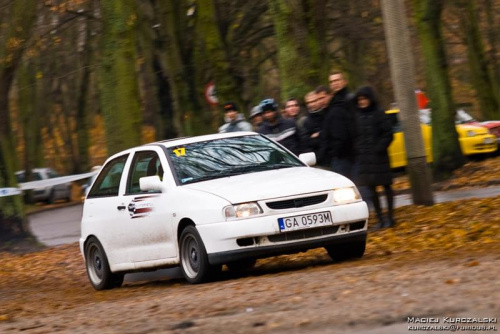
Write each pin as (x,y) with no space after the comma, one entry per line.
(403,78)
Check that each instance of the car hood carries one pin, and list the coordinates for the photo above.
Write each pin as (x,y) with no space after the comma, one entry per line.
(272,184)
(463,128)
(490,124)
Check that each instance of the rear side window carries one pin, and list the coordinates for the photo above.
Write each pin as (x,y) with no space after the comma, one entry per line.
(145,163)
(108,181)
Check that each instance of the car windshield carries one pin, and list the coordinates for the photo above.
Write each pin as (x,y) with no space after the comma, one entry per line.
(21,176)
(228,157)
(463,117)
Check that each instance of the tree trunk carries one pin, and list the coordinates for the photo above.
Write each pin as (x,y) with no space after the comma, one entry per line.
(445,146)
(83,114)
(119,93)
(298,48)
(492,36)
(403,77)
(483,76)
(21,18)
(217,54)
(173,37)
(29,84)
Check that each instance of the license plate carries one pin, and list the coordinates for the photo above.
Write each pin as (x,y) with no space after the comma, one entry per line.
(488,140)
(305,221)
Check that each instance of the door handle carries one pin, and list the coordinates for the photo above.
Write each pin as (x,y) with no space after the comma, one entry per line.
(121,207)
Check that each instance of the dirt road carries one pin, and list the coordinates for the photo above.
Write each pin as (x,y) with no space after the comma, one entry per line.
(304,293)
(439,261)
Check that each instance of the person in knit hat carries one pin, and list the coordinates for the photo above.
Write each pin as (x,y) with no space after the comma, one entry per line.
(234,120)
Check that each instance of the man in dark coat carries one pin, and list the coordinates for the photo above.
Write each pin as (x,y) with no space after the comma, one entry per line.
(374,137)
(279,129)
(311,129)
(338,134)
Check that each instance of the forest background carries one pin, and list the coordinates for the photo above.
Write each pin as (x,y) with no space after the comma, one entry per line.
(83,79)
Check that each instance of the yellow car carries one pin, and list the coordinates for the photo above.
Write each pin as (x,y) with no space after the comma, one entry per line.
(472,139)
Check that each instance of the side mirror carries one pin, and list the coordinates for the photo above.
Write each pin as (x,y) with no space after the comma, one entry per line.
(308,158)
(153,183)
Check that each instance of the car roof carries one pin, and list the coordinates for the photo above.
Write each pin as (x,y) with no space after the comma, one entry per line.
(196,139)
(187,140)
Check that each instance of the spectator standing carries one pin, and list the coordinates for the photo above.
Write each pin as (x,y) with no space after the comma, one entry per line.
(374,137)
(256,117)
(292,111)
(323,97)
(234,120)
(338,133)
(277,128)
(312,124)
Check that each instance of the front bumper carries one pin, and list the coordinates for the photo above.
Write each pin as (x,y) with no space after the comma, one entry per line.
(260,236)
(478,144)
(280,249)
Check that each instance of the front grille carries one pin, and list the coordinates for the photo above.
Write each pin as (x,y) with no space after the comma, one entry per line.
(484,146)
(297,202)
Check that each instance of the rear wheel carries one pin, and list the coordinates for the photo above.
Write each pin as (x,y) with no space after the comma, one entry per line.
(194,259)
(98,271)
(345,251)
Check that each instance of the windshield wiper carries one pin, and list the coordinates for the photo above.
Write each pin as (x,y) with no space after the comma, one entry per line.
(255,168)
(278,166)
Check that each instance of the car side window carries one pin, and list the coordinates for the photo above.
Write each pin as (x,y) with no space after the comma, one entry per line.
(145,163)
(52,174)
(108,181)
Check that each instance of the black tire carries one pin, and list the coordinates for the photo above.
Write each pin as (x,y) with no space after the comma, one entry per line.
(242,265)
(193,256)
(100,276)
(345,251)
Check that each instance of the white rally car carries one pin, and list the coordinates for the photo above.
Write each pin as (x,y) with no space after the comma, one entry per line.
(206,201)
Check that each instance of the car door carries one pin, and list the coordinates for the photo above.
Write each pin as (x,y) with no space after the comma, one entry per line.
(149,217)
(104,210)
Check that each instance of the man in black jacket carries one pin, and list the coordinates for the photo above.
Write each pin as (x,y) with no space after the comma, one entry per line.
(338,134)
(279,129)
(311,129)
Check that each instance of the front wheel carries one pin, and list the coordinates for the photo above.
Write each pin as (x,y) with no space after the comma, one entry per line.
(100,276)
(345,251)
(194,259)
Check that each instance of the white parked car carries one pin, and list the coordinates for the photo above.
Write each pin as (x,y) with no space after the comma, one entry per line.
(206,201)
(51,193)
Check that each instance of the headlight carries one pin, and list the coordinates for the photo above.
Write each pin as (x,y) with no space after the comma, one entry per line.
(471,133)
(242,210)
(343,195)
